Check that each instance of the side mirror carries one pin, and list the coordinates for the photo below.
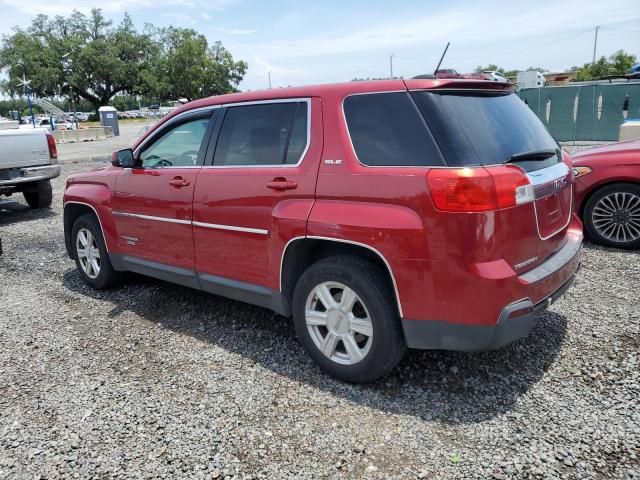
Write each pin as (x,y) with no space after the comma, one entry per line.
(123,158)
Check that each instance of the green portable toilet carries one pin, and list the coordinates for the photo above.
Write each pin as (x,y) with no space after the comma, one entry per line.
(109,118)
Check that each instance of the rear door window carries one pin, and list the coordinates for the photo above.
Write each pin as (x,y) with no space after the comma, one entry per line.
(262,134)
(386,130)
(474,128)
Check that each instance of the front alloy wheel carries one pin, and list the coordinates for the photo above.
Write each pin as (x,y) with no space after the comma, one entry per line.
(617,217)
(612,215)
(88,253)
(339,323)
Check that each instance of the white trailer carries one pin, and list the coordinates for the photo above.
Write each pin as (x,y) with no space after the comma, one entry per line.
(530,79)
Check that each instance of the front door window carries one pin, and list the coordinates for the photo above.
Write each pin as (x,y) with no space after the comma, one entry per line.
(178,147)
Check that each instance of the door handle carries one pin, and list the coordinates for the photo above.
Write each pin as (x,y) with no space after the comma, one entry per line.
(280,183)
(179,182)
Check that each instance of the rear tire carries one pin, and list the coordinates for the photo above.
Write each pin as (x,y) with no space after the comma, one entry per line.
(612,216)
(39,195)
(357,337)
(90,254)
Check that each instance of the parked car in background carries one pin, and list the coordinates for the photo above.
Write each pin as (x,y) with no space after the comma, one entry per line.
(79,116)
(46,123)
(607,193)
(448,73)
(381,215)
(476,76)
(29,160)
(495,76)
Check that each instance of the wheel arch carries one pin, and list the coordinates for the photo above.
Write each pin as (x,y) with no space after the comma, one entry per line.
(300,252)
(72,211)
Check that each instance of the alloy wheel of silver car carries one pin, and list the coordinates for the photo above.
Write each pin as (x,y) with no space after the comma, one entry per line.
(339,323)
(88,253)
(617,217)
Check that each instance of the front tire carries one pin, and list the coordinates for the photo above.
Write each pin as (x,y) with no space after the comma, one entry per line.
(90,254)
(39,195)
(612,216)
(346,317)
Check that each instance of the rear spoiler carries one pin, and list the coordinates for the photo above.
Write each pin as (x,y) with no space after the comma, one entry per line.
(456,84)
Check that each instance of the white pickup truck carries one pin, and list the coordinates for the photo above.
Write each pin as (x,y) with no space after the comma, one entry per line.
(28,161)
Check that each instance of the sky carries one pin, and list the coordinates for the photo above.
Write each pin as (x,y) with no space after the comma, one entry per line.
(305,42)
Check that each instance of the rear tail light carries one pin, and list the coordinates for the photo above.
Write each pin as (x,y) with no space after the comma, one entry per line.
(479,189)
(53,149)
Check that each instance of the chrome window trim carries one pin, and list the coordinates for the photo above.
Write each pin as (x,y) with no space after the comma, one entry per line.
(151,217)
(232,228)
(341,240)
(261,102)
(353,148)
(106,245)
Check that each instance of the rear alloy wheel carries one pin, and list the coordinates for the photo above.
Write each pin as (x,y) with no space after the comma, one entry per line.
(612,216)
(346,317)
(338,323)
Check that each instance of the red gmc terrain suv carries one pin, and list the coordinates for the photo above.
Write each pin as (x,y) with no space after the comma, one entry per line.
(379,215)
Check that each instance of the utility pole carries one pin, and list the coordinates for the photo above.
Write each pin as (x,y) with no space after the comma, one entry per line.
(391,66)
(595,45)
(269,75)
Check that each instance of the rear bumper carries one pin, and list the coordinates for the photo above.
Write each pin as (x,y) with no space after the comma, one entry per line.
(30,174)
(515,320)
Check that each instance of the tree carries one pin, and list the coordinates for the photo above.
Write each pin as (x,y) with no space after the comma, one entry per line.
(188,67)
(489,68)
(619,63)
(79,56)
(86,57)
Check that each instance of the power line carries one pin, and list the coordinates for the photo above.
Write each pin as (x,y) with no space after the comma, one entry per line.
(532,47)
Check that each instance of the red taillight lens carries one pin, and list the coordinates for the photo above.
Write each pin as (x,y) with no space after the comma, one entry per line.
(512,185)
(462,189)
(478,189)
(53,149)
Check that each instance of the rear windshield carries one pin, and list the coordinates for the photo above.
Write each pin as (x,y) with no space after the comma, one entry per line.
(484,129)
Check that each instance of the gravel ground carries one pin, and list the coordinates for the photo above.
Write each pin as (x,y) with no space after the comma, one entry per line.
(152,380)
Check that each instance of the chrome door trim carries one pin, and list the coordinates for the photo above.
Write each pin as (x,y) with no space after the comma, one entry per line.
(106,245)
(232,228)
(377,252)
(151,217)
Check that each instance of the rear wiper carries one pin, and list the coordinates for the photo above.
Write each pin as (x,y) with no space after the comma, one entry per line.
(532,155)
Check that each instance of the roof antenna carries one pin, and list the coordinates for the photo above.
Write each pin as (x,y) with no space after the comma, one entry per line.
(442,58)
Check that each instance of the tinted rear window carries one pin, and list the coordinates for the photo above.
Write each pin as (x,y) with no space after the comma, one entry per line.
(482,129)
(387,130)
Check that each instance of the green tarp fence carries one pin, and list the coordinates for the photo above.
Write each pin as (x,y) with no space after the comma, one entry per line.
(584,112)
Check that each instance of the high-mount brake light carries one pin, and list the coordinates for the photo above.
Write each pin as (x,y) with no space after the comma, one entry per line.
(479,189)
